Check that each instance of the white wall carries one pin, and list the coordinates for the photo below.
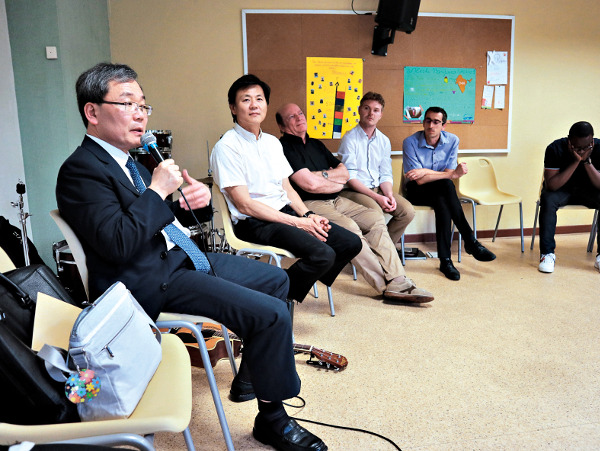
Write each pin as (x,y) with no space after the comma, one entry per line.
(11,155)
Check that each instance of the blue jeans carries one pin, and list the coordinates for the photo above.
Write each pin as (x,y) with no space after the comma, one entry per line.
(551,201)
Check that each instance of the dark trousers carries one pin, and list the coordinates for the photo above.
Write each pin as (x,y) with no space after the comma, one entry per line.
(318,260)
(441,196)
(249,298)
(551,201)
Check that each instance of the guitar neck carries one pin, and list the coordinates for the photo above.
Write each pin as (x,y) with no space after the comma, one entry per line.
(337,361)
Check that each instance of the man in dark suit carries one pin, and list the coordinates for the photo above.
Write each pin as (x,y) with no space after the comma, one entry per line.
(126,234)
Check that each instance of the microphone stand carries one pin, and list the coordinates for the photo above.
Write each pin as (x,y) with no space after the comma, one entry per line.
(22,220)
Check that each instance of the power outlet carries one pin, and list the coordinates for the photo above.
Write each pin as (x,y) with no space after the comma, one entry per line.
(51,53)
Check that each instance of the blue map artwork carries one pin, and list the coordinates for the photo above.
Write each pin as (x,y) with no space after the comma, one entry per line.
(453,89)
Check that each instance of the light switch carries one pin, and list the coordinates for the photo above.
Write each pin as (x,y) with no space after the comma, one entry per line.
(51,53)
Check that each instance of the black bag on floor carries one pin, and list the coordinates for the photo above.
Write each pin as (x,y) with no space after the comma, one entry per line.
(12,243)
(28,394)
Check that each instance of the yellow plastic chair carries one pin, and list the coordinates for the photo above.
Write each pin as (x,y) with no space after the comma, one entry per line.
(479,187)
(252,249)
(161,409)
(590,246)
(165,320)
(422,208)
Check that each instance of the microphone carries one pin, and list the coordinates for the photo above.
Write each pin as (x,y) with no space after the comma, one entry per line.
(148,140)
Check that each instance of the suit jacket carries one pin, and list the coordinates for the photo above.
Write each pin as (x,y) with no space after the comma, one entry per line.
(119,228)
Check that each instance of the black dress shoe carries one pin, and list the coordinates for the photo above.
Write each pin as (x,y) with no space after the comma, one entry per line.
(447,267)
(241,391)
(292,437)
(480,253)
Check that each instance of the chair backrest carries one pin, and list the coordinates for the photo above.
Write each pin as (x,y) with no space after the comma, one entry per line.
(480,178)
(235,242)
(75,247)
(402,180)
(223,208)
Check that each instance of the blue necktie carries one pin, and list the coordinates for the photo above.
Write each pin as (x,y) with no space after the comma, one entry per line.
(179,238)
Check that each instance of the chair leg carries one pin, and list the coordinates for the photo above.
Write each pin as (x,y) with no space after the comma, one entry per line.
(593,232)
(330,296)
(535,218)
(521,218)
(497,223)
(402,257)
(210,375)
(189,443)
(315,290)
(459,247)
(473,205)
(290,306)
(354,276)
(229,350)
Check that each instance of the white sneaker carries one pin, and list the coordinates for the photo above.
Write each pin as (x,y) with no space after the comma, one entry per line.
(547,263)
(597,262)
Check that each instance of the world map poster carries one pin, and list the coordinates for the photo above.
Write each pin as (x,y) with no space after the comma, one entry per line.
(334,87)
(453,89)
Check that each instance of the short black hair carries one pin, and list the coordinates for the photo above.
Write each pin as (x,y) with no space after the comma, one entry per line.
(437,109)
(245,81)
(581,129)
(92,85)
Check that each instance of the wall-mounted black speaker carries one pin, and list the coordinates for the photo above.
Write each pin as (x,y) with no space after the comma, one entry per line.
(393,15)
(398,15)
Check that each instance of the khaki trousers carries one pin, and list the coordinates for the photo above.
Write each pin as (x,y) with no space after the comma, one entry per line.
(378,260)
(401,217)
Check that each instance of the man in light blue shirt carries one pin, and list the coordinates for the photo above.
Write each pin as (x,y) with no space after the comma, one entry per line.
(367,153)
(430,165)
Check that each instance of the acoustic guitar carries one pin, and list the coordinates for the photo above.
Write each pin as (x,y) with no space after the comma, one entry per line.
(215,344)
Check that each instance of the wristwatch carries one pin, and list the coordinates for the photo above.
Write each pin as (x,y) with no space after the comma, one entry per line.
(308,213)
(588,161)
(325,174)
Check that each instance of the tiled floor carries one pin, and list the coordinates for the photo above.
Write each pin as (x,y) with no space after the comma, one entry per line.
(506,358)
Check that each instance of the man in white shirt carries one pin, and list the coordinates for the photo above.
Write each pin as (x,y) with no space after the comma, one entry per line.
(250,169)
(367,153)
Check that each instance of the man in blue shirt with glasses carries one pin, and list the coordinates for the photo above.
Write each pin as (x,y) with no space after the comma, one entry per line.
(430,166)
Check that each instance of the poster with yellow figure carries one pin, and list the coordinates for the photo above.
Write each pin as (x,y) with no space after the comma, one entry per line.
(334,87)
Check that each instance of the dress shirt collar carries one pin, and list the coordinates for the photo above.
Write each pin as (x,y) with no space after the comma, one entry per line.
(248,136)
(118,155)
(364,133)
(443,140)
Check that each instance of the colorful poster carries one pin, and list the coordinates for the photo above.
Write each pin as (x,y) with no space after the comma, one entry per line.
(334,87)
(453,89)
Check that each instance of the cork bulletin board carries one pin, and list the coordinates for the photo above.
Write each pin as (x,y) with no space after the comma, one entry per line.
(277,43)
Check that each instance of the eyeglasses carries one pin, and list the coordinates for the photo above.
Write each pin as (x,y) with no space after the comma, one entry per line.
(131,107)
(428,120)
(292,117)
(583,148)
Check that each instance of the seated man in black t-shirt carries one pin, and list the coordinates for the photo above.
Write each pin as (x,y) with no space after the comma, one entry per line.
(571,177)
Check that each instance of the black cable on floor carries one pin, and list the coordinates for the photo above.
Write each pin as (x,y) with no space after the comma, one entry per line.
(347,428)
